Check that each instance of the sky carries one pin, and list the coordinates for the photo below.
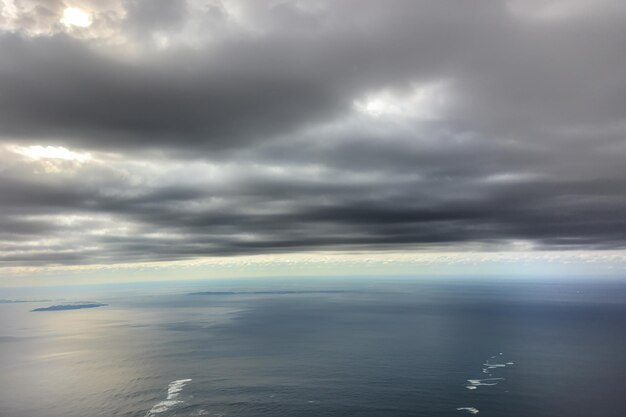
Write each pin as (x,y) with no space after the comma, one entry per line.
(173,139)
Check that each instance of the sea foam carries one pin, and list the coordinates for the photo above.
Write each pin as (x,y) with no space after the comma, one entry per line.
(471,410)
(484,382)
(173,391)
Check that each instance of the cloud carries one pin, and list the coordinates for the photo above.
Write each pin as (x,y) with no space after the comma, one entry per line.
(207,128)
(251,83)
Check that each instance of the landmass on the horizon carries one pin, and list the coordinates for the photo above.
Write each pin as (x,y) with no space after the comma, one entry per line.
(277,292)
(61,307)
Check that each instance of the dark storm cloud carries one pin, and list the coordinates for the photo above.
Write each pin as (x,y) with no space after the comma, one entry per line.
(171,224)
(242,88)
(232,129)
(510,75)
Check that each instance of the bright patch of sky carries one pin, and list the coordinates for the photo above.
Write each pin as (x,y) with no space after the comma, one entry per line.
(73,16)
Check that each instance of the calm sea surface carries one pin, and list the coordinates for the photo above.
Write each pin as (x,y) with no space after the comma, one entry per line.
(318,348)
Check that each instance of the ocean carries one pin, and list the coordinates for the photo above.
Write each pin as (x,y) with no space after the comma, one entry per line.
(362,347)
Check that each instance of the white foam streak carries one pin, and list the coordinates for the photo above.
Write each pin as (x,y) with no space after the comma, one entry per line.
(173,391)
(481,382)
(471,410)
(162,407)
(175,388)
(495,365)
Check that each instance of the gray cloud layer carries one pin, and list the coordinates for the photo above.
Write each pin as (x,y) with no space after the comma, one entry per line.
(236,127)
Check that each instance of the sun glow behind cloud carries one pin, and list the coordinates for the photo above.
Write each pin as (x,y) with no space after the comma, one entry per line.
(38,152)
(424,102)
(73,16)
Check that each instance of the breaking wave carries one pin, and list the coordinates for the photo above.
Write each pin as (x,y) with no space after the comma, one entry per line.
(173,391)
(471,410)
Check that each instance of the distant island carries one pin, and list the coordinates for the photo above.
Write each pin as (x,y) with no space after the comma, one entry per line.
(5,301)
(62,307)
(280,292)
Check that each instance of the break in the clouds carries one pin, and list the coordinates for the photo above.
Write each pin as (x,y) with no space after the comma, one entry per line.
(151,130)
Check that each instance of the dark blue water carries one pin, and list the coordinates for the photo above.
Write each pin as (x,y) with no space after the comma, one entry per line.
(318,348)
